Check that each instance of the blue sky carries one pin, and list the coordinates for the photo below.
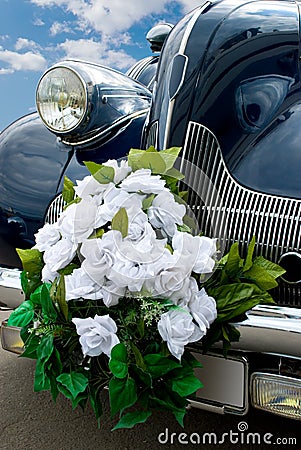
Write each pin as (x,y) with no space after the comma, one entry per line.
(34,34)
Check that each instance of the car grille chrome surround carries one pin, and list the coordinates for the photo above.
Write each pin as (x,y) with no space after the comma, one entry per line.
(54,210)
(226,209)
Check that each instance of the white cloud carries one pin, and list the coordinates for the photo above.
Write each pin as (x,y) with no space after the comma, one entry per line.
(38,22)
(188,5)
(23,43)
(90,50)
(21,61)
(60,27)
(108,16)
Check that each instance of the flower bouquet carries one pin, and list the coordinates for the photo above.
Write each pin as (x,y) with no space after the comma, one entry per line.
(118,288)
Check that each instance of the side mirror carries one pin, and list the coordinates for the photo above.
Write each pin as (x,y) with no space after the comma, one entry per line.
(157,35)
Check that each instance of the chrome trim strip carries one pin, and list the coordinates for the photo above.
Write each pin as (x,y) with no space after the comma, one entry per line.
(272,330)
(182,49)
(103,133)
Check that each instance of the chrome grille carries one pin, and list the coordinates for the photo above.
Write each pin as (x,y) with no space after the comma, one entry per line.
(54,210)
(232,212)
(152,135)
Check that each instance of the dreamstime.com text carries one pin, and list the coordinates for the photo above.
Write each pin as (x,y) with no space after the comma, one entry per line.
(239,436)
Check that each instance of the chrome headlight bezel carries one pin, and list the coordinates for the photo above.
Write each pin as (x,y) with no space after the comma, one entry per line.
(73,103)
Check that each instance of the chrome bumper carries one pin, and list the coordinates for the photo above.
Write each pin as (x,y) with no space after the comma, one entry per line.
(11,294)
(274,330)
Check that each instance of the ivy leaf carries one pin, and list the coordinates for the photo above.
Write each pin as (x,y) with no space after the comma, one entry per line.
(185,384)
(179,415)
(118,362)
(120,222)
(102,174)
(131,419)
(74,382)
(158,365)
(123,394)
(23,315)
(68,192)
(41,380)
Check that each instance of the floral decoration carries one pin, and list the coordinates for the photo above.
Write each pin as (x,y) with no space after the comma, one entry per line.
(119,289)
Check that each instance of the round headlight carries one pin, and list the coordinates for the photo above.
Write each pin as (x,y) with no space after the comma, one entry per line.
(61,99)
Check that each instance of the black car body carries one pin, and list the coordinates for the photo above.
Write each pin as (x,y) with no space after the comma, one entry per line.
(227,89)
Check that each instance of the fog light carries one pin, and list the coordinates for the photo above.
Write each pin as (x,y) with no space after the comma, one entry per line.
(11,339)
(277,394)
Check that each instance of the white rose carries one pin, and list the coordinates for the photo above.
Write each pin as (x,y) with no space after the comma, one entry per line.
(114,199)
(121,170)
(78,221)
(128,274)
(47,276)
(195,252)
(138,225)
(47,236)
(203,309)
(59,255)
(112,293)
(100,255)
(177,329)
(89,186)
(143,180)
(97,335)
(80,285)
(165,213)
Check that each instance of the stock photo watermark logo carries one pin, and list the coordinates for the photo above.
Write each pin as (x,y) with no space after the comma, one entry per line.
(240,436)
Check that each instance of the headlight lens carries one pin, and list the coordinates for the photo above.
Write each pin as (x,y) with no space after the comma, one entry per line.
(61,99)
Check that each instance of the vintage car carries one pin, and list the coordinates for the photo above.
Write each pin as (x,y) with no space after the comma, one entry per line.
(226,87)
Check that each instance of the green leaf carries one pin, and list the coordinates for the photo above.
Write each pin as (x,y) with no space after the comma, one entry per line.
(170,156)
(102,174)
(75,383)
(274,270)
(68,190)
(58,295)
(95,401)
(23,315)
(24,282)
(118,362)
(158,365)
(234,261)
(152,161)
(147,202)
(261,277)
(45,348)
(138,356)
(249,259)
(32,261)
(120,222)
(131,419)
(68,269)
(123,394)
(179,415)
(189,359)
(174,173)
(31,346)
(41,380)
(48,307)
(186,384)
